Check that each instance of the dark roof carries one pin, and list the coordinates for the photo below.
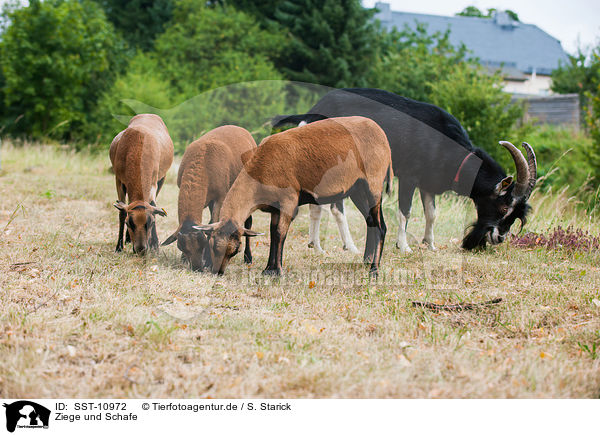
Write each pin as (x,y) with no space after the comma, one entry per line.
(495,41)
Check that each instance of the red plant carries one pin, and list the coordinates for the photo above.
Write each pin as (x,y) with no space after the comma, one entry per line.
(572,239)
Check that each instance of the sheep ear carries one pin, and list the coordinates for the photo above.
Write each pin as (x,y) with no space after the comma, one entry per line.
(206,229)
(170,239)
(159,211)
(250,233)
(120,205)
(247,156)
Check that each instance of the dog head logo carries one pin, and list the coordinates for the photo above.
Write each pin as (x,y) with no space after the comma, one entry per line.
(26,414)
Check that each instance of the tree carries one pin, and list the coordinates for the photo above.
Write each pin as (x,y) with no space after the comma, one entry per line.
(138,21)
(592,95)
(579,75)
(412,60)
(426,67)
(200,74)
(203,48)
(473,11)
(476,99)
(332,42)
(57,57)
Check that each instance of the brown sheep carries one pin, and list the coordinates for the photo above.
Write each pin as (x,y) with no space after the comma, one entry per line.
(319,163)
(209,167)
(140,155)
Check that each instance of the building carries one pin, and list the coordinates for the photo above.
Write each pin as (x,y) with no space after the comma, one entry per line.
(525,53)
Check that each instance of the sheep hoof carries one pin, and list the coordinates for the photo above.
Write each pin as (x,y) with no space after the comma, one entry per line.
(272,272)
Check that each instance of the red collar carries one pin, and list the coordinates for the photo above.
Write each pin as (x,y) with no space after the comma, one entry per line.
(456,177)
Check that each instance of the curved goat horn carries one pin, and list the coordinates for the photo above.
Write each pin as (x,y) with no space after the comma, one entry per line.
(522,183)
(532,164)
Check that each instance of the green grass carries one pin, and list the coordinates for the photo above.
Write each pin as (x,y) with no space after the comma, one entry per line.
(78,320)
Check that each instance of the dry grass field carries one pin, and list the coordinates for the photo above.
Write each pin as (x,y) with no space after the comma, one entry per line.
(79,320)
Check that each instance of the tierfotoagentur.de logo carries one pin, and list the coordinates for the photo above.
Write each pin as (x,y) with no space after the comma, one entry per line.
(25,414)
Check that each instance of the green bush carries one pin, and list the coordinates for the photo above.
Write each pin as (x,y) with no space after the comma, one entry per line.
(210,67)
(57,57)
(141,82)
(412,60)
(563,157)
(476,99)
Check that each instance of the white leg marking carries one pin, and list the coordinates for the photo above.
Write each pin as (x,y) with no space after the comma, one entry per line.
(401,240)
(429,209)
(313,228)
(153,193)
(302,123)
(342,223)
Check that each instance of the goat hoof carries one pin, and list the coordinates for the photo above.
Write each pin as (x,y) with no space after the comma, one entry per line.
(403,249)
(430,245)
(352,249)
(247,259)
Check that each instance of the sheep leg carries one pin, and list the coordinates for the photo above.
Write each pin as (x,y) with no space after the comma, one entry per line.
(376,214)
(363,199)
(247,252)
(376,230)
(122,216)
(153,238)
(337,210)
(280,223)
(215,210)
(160,184)
(121,192)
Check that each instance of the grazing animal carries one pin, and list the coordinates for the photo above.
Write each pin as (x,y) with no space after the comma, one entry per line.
(209,167)
(337,210)
(140,155)
(432,151)
(318,164)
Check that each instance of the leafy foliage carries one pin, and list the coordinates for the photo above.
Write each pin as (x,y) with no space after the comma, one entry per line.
(473,11)
(579,75)
(138,21)
(582,75)
(197,78)
(332,41)
(141,81)
(477,100)
(413,60)
(57,56)
(426,67)
(563,155)
(204,48)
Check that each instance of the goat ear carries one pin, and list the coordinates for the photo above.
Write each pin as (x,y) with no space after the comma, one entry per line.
(170,239)
(120,205)
(207,229)
(503,185)
(159,211)
(250,233)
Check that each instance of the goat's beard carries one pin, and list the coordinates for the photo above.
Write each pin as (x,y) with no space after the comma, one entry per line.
(476,238)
